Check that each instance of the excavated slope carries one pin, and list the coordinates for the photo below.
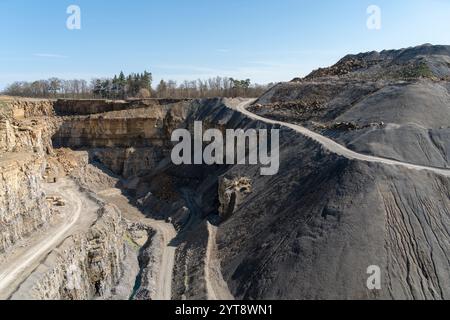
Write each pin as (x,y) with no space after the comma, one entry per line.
(393,104)
(309,232)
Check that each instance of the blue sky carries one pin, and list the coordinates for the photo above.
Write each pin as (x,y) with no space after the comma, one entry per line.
(265,40)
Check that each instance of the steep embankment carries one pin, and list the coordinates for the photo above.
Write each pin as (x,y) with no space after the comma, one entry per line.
(337,217)
(393,104)
(24,144)
(85,266)
(126,141)
(311,231)
(23,208)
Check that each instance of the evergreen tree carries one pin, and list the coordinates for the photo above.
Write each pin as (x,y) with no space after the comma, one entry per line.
(106,89)
(97,88)
(147,80)
(115,87)
(122,83)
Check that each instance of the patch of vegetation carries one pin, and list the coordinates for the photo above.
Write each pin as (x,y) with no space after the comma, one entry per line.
(3,108)
(421,70)
(127,238)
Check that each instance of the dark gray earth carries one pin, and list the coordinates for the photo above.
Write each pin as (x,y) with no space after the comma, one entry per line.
(394,104)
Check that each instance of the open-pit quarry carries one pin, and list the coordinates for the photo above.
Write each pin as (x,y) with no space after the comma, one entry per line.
(92,207)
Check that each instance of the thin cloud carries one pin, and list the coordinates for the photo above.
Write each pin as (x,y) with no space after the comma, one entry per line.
(192,68)
(50,55)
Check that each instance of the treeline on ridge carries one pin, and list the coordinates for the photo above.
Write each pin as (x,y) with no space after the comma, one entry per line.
(135,85)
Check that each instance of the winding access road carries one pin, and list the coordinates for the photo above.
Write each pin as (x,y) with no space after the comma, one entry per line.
(216,287)
(17,270)
(335,147)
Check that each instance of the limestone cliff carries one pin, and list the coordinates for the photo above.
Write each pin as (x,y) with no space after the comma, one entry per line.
(24,143)
(26,136)
(23,208)
(129,142)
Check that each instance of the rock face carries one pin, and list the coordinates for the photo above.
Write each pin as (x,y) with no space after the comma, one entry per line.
(24,144)
(22,108)
(129,162)
(127,141)
(231,194)
(146,286)
(86,266)
(88,107)
(23,208)
(26,136)
(141,127)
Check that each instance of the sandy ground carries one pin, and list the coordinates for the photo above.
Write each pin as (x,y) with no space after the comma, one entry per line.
(78,213)
(216,287)
(166,230)
(336,148)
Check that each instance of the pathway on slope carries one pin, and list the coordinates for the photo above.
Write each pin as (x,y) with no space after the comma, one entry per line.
(335,147)
(19,267)
(166,230)
(216,286)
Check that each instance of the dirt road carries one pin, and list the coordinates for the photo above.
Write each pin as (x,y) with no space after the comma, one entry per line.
(166,230)
(167,260)
(335,147)
(20,266)
(216,287)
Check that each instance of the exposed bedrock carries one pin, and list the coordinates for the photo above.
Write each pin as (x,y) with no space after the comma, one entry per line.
(129,142)
(143,127)
(24,144)
(23,207)
(32,136)
(95,106)
(21,108)
(231,194)
(129,162)
(85,266)
(146,284)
